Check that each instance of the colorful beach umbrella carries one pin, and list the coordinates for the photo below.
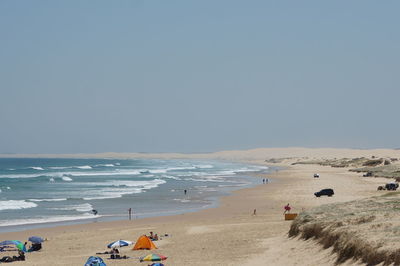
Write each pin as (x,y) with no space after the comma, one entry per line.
(18,244)
(36,239)
(153,257)
(119,243)
(7,242)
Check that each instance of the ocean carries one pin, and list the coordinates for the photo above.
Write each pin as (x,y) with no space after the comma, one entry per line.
(47,192)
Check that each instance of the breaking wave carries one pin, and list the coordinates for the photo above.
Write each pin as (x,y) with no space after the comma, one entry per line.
(16,205)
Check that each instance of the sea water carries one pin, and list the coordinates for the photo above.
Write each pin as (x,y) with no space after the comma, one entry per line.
(47,192)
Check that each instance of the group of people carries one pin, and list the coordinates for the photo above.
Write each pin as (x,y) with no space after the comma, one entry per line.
(20,257)
(21,253)
(265,180)
(153,237)
(115,254)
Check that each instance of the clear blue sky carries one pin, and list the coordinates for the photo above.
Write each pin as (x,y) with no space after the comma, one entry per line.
(195,76)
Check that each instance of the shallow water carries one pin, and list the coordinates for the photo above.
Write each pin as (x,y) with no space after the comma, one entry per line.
(46,192)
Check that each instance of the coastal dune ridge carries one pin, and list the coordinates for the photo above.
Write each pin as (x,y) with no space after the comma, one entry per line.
(247,227)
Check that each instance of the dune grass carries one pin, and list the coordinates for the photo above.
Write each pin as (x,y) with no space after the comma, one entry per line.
(366,230)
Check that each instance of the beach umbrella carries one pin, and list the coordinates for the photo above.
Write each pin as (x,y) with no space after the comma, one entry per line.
(153,257)
(18,244)
(7,242)
(119,243)
(36,239)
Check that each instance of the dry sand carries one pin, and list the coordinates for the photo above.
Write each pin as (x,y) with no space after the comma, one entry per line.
(229,234)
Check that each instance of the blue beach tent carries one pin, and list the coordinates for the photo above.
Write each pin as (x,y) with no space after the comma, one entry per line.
(95,261)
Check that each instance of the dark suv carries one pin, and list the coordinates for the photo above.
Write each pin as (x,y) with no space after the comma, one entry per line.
(325,192)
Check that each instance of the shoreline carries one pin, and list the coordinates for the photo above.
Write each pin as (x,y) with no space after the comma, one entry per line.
(214,202)
(228,234)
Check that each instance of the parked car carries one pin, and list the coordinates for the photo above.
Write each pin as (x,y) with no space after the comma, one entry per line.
(316,175)
(325,192)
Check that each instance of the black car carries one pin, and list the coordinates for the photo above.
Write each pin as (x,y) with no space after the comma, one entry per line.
(325,192)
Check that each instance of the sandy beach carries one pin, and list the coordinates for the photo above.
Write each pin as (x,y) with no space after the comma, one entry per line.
(229,234)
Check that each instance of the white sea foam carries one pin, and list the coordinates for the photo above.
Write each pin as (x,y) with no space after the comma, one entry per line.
(61,167)
(60,174)
(117,172)
(182,200)
(37,168)
(181,168)
(66,178)
(204,166)
(171,177)
(109,196)
(85,207)
(84,167)
(208,189)
(52,179)
(16,205)
(233,185)
(169,169)
(217,179)
(20,175)
(226,173)
(158,171)
(118,188)
(107,165)
(130,183)
(51,219)
(61,199)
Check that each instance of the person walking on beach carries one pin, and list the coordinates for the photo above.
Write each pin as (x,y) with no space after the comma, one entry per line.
(185,191)
(287,208)
(130,213)
(263,180)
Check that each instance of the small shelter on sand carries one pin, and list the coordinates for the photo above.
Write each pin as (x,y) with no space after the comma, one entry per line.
(144,242)
(95,261)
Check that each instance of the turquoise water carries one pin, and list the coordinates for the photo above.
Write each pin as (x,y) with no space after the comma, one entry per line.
(46,192)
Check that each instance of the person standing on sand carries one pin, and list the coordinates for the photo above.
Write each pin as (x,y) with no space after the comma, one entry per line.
(287,208)
(185,191)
